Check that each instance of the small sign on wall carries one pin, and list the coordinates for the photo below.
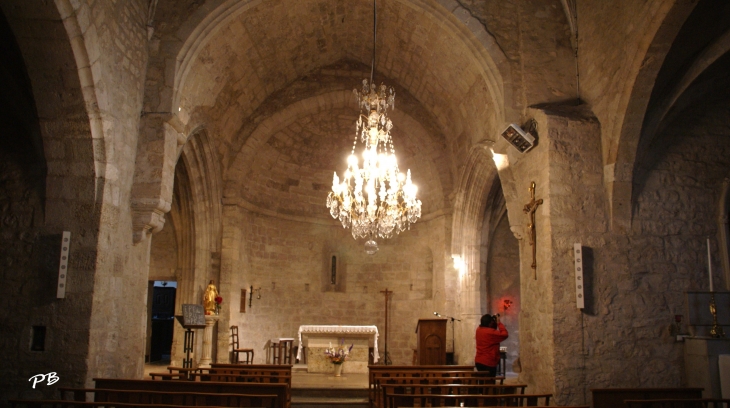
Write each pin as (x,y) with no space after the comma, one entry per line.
(579,281)
(63,265)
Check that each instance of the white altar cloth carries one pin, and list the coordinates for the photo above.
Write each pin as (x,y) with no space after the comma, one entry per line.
(316,329)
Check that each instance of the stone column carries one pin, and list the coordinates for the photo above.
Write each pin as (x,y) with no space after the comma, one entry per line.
(210,321)
(566,167)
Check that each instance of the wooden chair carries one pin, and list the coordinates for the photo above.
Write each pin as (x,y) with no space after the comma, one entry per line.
(282,349)
(247,352)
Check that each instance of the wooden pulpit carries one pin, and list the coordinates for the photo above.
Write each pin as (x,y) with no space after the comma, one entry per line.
(431,342)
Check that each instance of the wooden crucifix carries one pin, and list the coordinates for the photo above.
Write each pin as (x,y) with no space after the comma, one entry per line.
(530,208)
(386,356)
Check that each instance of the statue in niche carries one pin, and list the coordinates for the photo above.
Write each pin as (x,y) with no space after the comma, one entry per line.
(209,298)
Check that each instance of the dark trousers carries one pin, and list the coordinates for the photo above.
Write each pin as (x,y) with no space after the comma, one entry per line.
(491,370)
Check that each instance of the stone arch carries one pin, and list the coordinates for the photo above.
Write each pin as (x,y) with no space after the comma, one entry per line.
(71,144)
(624,133)
(198,195)
(477,180)
(196,214)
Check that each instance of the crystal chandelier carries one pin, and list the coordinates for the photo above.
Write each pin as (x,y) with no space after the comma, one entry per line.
(374,198)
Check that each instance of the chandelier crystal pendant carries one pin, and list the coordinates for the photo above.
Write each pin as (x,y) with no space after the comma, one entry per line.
(374,198)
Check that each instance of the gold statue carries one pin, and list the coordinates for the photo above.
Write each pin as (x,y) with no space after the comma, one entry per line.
(209,298)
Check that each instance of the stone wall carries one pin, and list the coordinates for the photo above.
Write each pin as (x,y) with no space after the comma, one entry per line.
(163,255)
(635,283)
(86,64)
(290,262)
(47,187)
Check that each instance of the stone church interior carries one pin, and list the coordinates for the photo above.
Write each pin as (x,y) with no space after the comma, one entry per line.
(563,163)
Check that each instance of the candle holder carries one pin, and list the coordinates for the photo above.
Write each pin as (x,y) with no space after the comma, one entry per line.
(716,332)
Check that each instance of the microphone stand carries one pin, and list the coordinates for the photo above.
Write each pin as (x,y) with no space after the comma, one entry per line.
(453,331)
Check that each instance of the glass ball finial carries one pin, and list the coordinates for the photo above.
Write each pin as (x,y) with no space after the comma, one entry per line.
(371,247)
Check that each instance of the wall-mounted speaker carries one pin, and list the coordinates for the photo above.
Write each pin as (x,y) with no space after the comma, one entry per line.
(63,265)
(521,140)
(580,300)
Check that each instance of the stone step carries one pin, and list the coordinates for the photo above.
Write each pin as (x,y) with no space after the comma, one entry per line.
(315,402)
(325,393)
(329,397)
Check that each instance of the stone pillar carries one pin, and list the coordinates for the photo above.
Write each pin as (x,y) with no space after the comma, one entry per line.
(566,167)
(210,321)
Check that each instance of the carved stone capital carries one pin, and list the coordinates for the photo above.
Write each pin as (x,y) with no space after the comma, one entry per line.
(146,222)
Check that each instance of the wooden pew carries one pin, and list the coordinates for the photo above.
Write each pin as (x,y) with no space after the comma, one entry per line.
(426,386)
(169,376)
(679,403)
(168,397)
(280,390)
(241,377)
(615,397)
(183,370)
(445,400)
(273,368)
(84,404)
(257,373)
(419,374)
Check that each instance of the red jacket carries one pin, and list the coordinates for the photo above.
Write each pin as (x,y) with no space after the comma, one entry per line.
(488,340)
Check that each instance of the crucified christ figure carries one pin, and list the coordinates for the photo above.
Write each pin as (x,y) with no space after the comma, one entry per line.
(530,208)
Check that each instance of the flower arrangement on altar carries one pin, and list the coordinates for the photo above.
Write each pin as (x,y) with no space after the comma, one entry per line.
(339,355)
(218,303)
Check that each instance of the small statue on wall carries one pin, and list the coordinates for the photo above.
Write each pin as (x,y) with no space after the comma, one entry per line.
(209,303)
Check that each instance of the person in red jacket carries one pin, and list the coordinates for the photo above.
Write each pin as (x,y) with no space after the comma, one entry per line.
(490,333)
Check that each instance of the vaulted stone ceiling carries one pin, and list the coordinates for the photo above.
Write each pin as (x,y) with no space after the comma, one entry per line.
(272,82)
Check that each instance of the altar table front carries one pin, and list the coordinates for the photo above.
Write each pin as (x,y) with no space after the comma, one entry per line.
(318,337)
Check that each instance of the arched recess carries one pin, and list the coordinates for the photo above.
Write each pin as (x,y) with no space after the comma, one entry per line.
(623,138)
(195,216)
(56,95)
(500,268)
(477,180)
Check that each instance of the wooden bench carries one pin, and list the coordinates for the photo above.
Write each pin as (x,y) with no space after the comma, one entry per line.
(280,390)
(241,377)
(269,367)
(615,397)
(470,400)
(83,404)
(253,373)
(183,370)
(419,374)
(679,403)
(404,386)
(249,372)
(169,376)
(168,397)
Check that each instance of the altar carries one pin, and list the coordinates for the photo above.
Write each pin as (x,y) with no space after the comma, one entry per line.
(315,339)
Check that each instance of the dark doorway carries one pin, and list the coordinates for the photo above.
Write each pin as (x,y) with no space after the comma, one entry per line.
(162,320)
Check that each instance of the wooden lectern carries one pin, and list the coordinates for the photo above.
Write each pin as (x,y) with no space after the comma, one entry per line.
(431,342)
